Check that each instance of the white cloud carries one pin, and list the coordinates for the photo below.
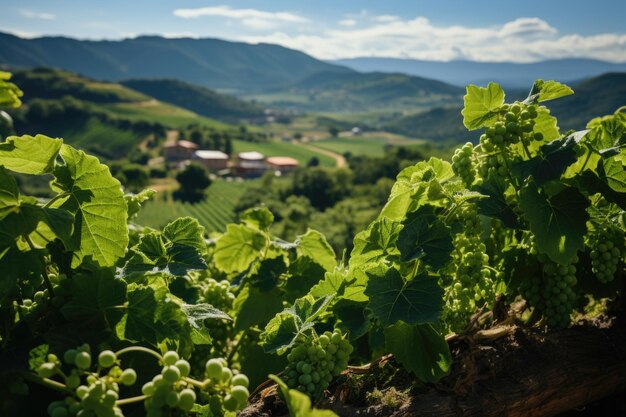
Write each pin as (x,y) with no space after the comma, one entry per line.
(386,18)
(252,18)
(524,39)
(31,14)
(21,33)
(347,22)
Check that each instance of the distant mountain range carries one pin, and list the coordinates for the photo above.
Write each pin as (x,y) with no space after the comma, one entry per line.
(212,63)
(510,75)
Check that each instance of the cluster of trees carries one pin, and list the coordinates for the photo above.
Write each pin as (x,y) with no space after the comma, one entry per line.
(337,201)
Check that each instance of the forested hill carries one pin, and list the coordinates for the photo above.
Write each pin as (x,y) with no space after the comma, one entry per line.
(211,63)
(594,97)
(198,99)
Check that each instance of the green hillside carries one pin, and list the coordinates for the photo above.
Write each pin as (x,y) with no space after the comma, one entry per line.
(50,83)
(197,99)
(357,92)
(212,63)
(369,144)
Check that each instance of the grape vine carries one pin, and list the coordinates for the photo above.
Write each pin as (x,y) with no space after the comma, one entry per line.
(185,325)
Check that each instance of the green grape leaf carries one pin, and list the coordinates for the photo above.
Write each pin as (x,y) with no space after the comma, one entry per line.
(198,313)
(238,248)
(52,223)
(314,245)
(546,124)
(392,298)
(425,237)
(283,330)
(353,318)
(29,155)
(420,349)
(9,93)
(334,283)
(299,404)
(153,315)
(481,105)
(304,273)
(590,183)
(376,243)
(16,265)
(259,218)
(183,259)
(135,201)
(9,193)
(39,224)
(95,293)
(254,307)
(547,90)
(495,205)
(613,173)
(97,202)
(558,222)
(186,231)
(550,163)
(266,274)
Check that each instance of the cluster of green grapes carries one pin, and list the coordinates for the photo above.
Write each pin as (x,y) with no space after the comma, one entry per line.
(515,124)
(552,292)
(471,283)
(605,253)
(218,294)
(492,166)
(462,163)
(41,300)
(313,362)
(225,385)
(95,395)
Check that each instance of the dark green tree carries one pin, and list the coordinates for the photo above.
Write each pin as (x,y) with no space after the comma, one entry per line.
(193,180)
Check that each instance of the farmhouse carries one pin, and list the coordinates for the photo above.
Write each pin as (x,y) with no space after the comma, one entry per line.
(212,160)
(250,164)
(179,151)
(283,164)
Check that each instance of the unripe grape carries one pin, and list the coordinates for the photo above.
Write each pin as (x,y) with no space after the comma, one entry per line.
(83,360)
(106,359)
(214,368)
(170,357)
(241,379)
(128,377)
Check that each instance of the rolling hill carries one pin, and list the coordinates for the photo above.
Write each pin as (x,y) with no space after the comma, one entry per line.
(357,92)
(272,74)
(211,63)
(508,74)
(594,97)
(198,99)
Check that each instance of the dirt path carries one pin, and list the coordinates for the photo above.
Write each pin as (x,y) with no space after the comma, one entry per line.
(341,161)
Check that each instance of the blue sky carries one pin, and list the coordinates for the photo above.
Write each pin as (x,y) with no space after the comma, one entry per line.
(519,30)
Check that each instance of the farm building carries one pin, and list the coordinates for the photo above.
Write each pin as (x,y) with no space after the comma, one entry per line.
(178,151)
(250,164)
(212,160)
(283,164)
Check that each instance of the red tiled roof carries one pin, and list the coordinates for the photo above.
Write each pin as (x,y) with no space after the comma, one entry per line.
(282,161)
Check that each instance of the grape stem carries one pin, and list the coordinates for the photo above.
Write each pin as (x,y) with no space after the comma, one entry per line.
(194,382)
(139,349)
(131,400)
(50,383)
